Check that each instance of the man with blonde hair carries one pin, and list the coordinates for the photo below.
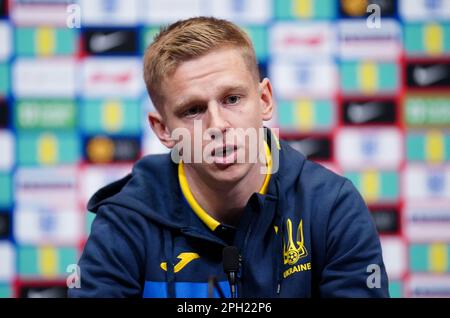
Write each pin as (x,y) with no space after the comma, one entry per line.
(230,194)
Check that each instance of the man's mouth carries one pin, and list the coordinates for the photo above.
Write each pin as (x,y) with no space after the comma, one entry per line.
(224,155)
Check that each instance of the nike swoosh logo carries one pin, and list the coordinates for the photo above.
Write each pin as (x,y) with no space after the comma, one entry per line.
(307,147)
(46,293)
(185,258)
(425,76)
(105,42)
(361,113)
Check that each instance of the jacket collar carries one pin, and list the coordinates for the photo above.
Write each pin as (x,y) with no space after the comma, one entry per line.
(203,215)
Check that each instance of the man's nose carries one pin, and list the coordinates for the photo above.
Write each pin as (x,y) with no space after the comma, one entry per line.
(217,124)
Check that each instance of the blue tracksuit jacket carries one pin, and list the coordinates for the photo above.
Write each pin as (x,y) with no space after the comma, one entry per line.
(310,235)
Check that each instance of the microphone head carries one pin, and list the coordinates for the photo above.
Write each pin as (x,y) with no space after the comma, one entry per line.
(230,259)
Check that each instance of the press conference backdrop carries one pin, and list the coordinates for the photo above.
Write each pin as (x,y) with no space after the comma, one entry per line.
(372,104)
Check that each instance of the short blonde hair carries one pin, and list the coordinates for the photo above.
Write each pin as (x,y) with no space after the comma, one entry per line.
(187,39)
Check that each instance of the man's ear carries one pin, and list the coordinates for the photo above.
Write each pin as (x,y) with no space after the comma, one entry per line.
(160,129)
(266,98)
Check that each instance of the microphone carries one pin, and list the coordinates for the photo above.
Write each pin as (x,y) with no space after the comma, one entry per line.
(231,267)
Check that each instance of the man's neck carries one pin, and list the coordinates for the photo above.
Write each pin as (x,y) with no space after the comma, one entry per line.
(225,203)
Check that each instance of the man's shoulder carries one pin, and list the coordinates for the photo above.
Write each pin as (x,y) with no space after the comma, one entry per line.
(321,185)
(152,180)
(316,173)
(153,163)
(153,175)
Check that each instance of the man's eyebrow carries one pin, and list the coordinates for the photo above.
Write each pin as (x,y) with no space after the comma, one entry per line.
(186,102)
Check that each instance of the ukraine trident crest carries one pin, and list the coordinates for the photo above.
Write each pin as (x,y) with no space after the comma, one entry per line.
(293,252)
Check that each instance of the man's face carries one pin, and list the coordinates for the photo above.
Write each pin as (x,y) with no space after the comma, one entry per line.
(218,93)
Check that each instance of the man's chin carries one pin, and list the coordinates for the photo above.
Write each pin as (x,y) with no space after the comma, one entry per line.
(227,173)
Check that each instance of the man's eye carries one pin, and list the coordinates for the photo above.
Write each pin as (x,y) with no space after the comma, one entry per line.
(233,99)
(193,111)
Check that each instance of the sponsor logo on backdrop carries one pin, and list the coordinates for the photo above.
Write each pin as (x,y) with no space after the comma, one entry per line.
(369,147)
(103,149)
(7,264)
(93,178)
(33,186)
(112,116)
(5,35)
(424,286)
(313,40)
(39,12)
(45,114)
(427,110)
(40,224)
(44,77)
(394,256)
(428,75)
(110,13)
(300,78)
(47,262)
(369,112)
(427,221)
(306,115)
(45,41)
(425,10)
(112,77)
(356,41)
(305,9)
(376,186)
(427,182)
(358,9)
(430,145)
(369,78)
(314,148)
(42,290)
(7,149)
(387,220)
(107,41)
(426,39)
(48,148)
(429,257)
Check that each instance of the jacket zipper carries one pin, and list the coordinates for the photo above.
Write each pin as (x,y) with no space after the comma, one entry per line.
(242,257)
(194,233)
